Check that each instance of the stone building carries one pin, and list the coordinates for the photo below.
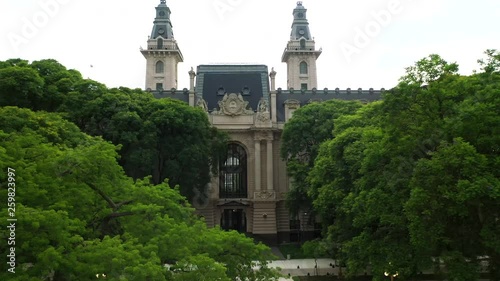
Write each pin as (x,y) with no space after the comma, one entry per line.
(248,194)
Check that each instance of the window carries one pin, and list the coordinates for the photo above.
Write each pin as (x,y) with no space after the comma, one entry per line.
(160,43)
(159,67)
(233,173)
(303,44)
(159,86)
(303,86)
(303,67)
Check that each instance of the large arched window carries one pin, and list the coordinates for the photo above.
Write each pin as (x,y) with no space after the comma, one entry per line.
(303,68)
(233,173)
(159,67)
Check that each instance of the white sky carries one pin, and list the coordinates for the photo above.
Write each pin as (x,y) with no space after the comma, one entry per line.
(107,34)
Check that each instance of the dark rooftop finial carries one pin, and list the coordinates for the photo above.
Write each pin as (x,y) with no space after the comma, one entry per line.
(299,3)
(163,1)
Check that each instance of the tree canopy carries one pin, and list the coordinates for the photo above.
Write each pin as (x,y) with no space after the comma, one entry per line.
(302,136)
(105,179)
(79,215)
(411,183)
(161,138)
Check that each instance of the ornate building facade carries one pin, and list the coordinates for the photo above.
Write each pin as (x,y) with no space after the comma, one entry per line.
(248,194)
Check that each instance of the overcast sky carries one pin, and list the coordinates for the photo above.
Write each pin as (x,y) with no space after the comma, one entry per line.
(365,43)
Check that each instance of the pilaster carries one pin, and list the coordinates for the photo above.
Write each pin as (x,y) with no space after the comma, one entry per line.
(268,193)
(257,166)
(269,165)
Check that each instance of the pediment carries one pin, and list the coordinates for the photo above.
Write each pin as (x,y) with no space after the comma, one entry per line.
(233,203)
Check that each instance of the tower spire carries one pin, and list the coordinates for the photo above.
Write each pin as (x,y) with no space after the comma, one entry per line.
(163,54)
(300,54)
(300,25)
(162,26)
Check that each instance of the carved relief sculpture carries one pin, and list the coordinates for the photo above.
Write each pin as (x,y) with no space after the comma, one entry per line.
(233,105)
(265,195)
(292,104)
(263,105)
(202,104)
(263,114)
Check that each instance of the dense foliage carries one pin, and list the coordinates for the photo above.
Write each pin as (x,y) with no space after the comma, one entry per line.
(303,134)
(161,138)
(73,147)
(411,183)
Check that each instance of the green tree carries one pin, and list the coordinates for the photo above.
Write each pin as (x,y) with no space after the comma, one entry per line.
(165,139)
(79,215)
(14,62)
(453,209)
(492,62)
(58,82)
(428,69)
(357,201)
(41,85)
(302,136)
(162,138)
(364,181)
(20,86)
(206,269)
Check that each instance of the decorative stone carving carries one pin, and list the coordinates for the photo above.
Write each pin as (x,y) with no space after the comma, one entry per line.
(263,117)
(292,104)
(263,105)
(265,195)
(233,105)
(202,104)
(263,114)
(191,73)
(263,135)
(272,73)
(282,196)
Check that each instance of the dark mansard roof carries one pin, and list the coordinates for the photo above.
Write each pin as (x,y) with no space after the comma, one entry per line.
(252,82)
(213,81)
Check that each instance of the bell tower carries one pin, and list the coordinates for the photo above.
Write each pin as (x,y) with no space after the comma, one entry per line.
(162,53)
(300,54)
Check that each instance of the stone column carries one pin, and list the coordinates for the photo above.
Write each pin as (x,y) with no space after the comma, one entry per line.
(273,107)
(269,166)
(257,165)
(272,75)
(192,75)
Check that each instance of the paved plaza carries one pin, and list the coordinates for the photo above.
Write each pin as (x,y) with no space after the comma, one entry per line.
(304,267)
